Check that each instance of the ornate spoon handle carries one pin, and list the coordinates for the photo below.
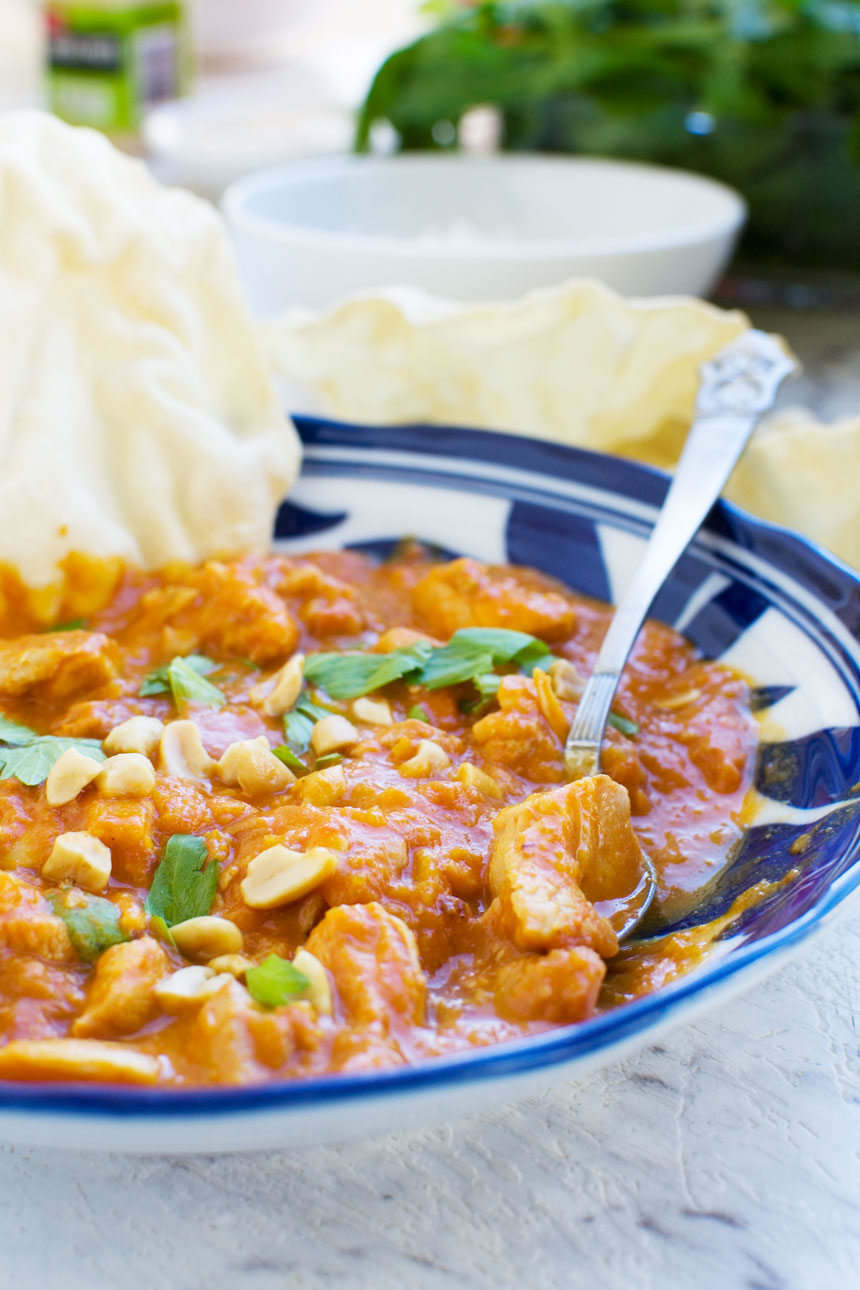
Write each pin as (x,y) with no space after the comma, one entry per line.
(736,387)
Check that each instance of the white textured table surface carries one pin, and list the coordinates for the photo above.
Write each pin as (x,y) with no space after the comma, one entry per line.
(727,1156)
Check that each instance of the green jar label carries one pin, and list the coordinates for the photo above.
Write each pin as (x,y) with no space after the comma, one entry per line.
(107,66)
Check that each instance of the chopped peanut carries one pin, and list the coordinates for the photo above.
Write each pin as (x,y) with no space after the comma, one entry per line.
(76,1059)
(69,776)
(278,875)
(277,695)
(126,774)
(236,964)
(323,787)
(206,937)
(137,735)
(182,752)
(81,859)
(474,777)
(189,987)
(319,991)
(566,681)
(374,712)
(331,734)
(252,765)
(428,757)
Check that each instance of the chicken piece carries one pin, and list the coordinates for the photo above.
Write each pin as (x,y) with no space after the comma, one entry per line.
(560,987)
(181,806)
(125,825)
(240,616)
(554,854)
(466,593)
(373,958)
(516,734)
(76,1059)
(59,663)
(234,1041)
(27,923)
(121,997)
(374,859)
(326,604)
(37,997)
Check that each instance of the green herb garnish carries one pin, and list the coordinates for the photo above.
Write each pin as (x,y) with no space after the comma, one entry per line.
(275,981)
(30,757)
(621,723)
(470,655)
(290,760)
(474,651)
(347,676)
(185,679)
(330,759)
(73,625)
(417,713)
(158,925)
(92,927)
(184,885)
(299,724)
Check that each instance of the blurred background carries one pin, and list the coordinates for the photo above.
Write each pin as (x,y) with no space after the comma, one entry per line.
(761,94)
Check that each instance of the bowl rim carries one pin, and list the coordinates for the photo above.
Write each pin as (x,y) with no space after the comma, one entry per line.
(246,222)
(562,1045)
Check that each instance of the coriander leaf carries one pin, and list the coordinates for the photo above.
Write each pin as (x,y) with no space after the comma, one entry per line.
(154,683)
(472,651)
(536,655)
(346,676)
(158,681)
(417,713)
(92,927)
(621,723)
(501,642)
(299,724)
(455,663)
(12,733)
(31,757)
(290,760)
(190,686)
(275,981)
(158,925)
(487,686)
(330,759)
(182,887)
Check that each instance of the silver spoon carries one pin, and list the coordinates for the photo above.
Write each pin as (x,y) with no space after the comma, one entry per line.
(736,386)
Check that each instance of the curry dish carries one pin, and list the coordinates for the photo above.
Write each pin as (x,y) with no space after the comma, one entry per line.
(283,817)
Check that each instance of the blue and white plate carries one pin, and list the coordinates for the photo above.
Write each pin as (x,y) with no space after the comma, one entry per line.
(746,592)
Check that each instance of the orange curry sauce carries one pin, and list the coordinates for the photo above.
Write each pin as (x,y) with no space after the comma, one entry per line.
(435,936)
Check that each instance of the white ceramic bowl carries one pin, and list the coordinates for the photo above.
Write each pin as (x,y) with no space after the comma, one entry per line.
(476,228)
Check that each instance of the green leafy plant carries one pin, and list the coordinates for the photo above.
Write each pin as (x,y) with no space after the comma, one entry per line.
(30,757)
(762,93)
